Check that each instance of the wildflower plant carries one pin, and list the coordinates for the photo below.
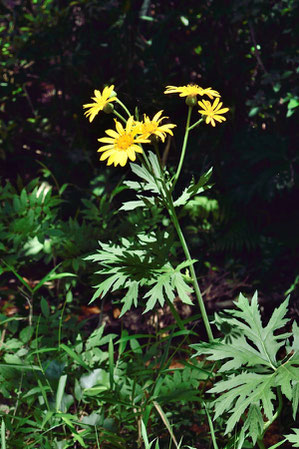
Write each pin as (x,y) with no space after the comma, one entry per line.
(253,378)
(155,187)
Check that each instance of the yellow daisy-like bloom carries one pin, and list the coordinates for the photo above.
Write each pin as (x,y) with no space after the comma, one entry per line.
(191,90)
(101,100)
(121,144)
(152,127)
(212,111)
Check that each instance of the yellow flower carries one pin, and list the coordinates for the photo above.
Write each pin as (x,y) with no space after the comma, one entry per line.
(212,111)
(101,100)
(122,143)
(191,90)
(152,127)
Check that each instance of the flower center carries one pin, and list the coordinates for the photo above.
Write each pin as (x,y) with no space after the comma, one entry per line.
(124,141)
(193,90)
(149,127)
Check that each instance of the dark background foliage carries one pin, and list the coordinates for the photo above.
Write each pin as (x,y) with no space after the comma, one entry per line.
(56,52)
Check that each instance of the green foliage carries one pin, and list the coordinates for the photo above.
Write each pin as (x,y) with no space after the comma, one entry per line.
(294,438)
(91,388)
(253,373)
(142,263)
(63,383)
(32,228)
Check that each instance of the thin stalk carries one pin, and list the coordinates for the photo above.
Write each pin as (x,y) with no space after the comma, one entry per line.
(201,304)
(195,124)
(260,444)
(172,213)
(211,428)
(119,116)
(277,413)
(60,323)
(123,106)
(176,176)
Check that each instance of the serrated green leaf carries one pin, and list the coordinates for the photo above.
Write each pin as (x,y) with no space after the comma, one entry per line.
(182,288)
(293,437)
(104,287)
(130,297)
(131,205)
(264,339)
(194,189)
(286,375)
(156,294)
(239,351)
(254,348)
(143,173)
(252,390)
(254,422)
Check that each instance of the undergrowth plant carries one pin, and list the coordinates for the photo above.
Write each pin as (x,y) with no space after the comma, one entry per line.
(63,386)
(256,378)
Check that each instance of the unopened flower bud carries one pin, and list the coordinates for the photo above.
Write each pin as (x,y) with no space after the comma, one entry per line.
(108,108)
(191,100)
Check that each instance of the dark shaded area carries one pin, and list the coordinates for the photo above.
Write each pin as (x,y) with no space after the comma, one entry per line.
(55,53)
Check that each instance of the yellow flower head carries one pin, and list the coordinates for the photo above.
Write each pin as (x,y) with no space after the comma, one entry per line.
(101,100)
(212,111)
(153,127)
(121,144)
(191,90)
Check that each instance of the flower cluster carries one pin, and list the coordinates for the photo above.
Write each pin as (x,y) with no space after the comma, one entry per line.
(123,142)
(212,111)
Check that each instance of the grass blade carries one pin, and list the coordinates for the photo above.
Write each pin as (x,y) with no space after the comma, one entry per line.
(3,443)
(60,391)
(74,356)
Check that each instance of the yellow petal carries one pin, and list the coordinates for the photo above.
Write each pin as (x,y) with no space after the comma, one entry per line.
(131,154)
(111,159)
(129,124)
(157,116)
(112,133)
(106,140)
(106,155)
(136,148)
(222,111)
(105,148)
(215,103)
(119,127)
(97,94)
(122,158)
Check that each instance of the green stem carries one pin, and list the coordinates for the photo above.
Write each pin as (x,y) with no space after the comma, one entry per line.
(260,444)
(201,304)
(123,106)
(60,323)
(176,176)
(155,145)
(168,201)
(277,413)
(195,124)
(211,428)
(119,116)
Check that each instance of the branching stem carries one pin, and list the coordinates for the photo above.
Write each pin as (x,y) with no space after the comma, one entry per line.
(176,176)
(119,116)
(173,216)
(123,106)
